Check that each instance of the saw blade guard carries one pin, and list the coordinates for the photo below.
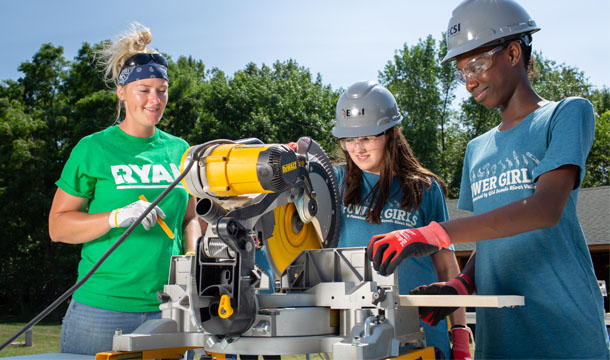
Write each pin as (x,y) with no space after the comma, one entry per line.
(294,229)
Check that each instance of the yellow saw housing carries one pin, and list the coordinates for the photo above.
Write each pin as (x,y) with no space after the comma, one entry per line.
(236,169)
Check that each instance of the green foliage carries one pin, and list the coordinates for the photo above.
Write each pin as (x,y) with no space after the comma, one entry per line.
(413,78)
(598,162)
(186,115)
(600,100)
(424,91)
(43,76)
(34,270)
(555,82)
(84,75)
(447,86)
(276,104)
(477,119)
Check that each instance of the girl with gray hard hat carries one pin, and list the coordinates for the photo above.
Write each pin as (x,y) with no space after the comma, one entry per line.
(521,180)
(385,188)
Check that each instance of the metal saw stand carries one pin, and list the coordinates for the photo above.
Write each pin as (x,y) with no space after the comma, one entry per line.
(328,301)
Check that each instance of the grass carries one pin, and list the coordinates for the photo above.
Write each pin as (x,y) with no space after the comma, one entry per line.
(45,339)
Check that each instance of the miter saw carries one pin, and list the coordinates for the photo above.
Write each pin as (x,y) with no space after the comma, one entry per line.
(284,200)
(255,195)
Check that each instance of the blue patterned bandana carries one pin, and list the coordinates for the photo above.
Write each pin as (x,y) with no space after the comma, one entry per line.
(152,70)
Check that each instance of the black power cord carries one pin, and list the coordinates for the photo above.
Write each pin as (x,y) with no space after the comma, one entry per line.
(70,291)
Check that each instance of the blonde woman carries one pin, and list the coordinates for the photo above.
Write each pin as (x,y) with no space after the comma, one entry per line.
(98,198)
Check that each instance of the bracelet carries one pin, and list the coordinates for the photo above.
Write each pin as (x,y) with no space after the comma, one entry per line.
(190,253)
(458,327)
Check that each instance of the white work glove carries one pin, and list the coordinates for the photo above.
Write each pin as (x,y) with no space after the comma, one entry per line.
(125,216)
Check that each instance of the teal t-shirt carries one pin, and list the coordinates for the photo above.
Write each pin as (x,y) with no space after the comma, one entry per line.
(552,268)
(112,169)
(414,271)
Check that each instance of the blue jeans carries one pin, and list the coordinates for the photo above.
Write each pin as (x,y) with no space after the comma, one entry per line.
(89,330)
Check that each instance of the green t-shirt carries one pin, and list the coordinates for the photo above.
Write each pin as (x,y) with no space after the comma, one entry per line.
(112,169)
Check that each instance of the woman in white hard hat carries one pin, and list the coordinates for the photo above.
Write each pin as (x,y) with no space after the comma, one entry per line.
(521,180)
(384,188)
(97,200)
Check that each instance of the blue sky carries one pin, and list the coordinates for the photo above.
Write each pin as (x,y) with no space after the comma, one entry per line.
(344,41)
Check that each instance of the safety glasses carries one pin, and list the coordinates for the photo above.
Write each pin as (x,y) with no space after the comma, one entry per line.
(143,59)
(365,142)
(477,66)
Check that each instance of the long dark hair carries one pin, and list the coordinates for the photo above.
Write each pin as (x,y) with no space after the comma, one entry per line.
(399,160)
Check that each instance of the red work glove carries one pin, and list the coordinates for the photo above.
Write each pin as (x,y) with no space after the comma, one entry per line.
(461,343)
(387,251)
(461,285)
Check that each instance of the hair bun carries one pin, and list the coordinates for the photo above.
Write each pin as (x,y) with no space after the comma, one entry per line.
(144,37)
(113,54)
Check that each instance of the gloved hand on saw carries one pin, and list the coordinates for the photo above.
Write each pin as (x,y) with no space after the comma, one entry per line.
(125,216)
(387,251)
(461,285)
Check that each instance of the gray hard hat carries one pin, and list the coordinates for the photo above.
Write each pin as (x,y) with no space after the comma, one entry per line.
(365,108)
(478,23)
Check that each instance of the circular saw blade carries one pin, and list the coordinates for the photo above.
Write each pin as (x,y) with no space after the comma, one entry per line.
(290,236)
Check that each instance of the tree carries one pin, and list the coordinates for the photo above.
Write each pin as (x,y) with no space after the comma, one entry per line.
(276,104)
(18,150)
(33,124)
(425,92)
(600,98)
(89,104)
(447,85)
(186,114)
(456,141)
(598,162)
(33,269)
(43,76)
(413,78)
(84,75)
(555,82)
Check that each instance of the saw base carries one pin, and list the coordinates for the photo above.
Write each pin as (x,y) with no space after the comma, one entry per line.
(330,301)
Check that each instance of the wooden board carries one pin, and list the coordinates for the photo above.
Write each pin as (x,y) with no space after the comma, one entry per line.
(494,301)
